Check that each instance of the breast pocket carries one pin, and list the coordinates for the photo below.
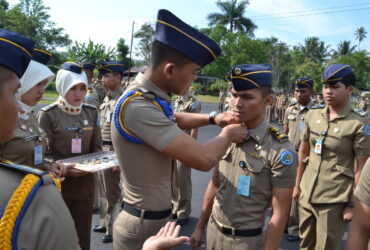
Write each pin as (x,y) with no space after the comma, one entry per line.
(291,117)
(257,170)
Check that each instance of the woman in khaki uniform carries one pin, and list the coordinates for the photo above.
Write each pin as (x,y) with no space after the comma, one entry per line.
(29,140)
(73,129)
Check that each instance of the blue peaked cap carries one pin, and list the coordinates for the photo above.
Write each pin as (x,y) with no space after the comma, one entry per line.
(72,66)
(174,33)
(339,72)
(107,67)
(15,51)
(250,76)
(89,65)
(304,82)
(41,56)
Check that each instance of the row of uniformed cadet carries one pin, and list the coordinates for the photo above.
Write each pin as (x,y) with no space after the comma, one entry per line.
(147,134)
(42,220)
(182,174)
(109,180)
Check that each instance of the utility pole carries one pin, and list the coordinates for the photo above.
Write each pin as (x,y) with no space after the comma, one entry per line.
(132,38)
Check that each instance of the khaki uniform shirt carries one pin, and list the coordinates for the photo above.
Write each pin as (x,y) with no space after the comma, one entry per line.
(362,105)
(21,148)
(107,110)
(227,103)
(146,170)
(61,128)
(101,92)
(294,119)
(92,96)
(187,103)
(47,223)
(328,177)
(262,157)
(362,191)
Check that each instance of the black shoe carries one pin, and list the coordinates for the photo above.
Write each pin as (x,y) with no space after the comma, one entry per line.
(181,221)
(292,238)
(107,239)
(99,229)
(174,216)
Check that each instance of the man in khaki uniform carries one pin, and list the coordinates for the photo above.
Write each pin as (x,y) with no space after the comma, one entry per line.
(279,106)
(360,227)
(146,138)
(334,138)
(221,99)
(251,175)
(293,127)
(46,222)
(363,102)
(91,96)
(109,179)
(182,173)
(99,90)
(227,103)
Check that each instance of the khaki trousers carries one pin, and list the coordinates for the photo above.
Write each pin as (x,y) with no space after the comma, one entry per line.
(218,241)
(130,232)
(293,221)
(182,190)
(321,226)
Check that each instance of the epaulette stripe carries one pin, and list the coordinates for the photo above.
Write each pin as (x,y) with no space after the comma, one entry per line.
(22,168)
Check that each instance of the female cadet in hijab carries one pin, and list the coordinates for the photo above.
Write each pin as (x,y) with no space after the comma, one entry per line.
(29,141)
(73,129)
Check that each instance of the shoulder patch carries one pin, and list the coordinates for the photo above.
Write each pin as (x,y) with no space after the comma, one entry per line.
(360,112)
(280,136)
(319,106)
(21,168)
(89,105)
(367,130)
(49,107)
(287,158)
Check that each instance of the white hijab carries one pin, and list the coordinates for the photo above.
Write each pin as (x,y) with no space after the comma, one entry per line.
(36,72)
(65,80)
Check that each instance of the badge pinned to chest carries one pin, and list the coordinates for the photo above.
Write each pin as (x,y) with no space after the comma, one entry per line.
(38,155)
(243,187)
(301,126)
(318,146)
(287,158)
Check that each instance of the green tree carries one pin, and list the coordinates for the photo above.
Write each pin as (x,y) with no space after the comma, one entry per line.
(122,51)
(232,14)
(4,5)
(145,36)
(360,63)
(91,52)
(344,48)
(360,35)
(31,19)
(315,49)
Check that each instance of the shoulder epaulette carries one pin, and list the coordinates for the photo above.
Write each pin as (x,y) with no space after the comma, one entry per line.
(49,107)
(292,104)
(89,105)
(278,135)
(21,168)
(360,112)
(319,106)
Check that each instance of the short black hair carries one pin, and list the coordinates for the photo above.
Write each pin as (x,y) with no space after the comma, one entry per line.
(115,73)
(5,75)
(162,53)
(349,80)
(265,91)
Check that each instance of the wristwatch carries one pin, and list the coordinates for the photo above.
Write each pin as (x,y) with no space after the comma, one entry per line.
(212,116)
(351,204)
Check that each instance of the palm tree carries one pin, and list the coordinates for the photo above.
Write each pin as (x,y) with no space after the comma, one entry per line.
(344,48)
(360,35)
(232,14)
(315,49)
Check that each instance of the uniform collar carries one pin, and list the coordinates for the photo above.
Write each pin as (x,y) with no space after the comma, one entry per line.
(343,113)
(259,132)
(115,94)
(151,86)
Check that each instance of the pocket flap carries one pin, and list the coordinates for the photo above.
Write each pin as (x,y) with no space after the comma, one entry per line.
(346,171)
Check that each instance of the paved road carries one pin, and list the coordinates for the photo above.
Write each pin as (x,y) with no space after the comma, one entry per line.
(200,181)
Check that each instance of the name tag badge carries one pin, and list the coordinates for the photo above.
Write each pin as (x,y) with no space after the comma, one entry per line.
(107,116)
(76,145)
(301,126)
(318,146)
(37,155)
(243,185)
